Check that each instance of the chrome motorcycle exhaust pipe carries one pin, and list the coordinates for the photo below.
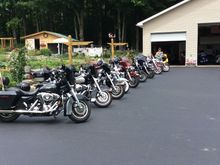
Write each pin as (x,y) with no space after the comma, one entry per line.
(24,111)
(21,111)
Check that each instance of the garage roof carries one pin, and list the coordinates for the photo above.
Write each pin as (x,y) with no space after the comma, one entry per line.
(140,24)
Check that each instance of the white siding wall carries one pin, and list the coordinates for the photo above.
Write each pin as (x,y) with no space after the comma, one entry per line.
(183,19)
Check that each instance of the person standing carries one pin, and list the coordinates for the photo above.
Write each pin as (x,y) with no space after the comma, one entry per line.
(159,54)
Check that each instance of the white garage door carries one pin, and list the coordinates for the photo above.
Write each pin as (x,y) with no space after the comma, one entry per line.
(165,37)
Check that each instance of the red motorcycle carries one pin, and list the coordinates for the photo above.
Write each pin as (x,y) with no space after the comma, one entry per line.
(130,73)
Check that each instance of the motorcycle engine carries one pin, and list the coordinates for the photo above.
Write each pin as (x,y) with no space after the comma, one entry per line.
(48,99)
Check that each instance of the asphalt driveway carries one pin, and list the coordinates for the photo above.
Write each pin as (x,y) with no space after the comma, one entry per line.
(173,119)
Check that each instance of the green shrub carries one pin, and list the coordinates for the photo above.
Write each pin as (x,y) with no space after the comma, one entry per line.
(17,63)
(107,55)
(46,52)
(34,53)
(9,75)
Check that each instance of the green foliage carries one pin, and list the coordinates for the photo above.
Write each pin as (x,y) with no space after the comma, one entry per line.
(46,52)
(33,52)
(13,23)
(17,64)
(9,75)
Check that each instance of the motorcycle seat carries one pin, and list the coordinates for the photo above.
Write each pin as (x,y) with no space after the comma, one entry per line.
(23,93)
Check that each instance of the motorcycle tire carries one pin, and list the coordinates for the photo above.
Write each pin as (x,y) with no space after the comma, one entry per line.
(158,70)
(134,82)
(103,99)
(166,67)
(126,87)
(151,74)
(80,113)
(143,76)
(8,117)
(119,92)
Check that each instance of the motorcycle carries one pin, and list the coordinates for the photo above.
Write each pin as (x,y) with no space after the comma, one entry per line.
(165,63)
(48,99)
(115,85)
(141,72)
(130,73)
(119,76)
(156,64)
(88,85)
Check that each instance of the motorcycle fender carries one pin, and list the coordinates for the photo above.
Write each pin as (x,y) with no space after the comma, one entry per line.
(68,107)
(123,79)
(134,74)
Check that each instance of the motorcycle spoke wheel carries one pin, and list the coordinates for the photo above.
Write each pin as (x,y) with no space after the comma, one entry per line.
(103,99)
(80,112)
(118,93)
(134,82)
(143,76)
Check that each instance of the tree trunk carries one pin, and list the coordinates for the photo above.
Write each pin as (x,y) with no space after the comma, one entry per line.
(24,27)
(123,29)
(100,33)
(37,25)
(81,26)
(119,24)
(80,21)
(75,29)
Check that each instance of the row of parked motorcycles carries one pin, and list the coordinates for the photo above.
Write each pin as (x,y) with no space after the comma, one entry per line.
(66,91)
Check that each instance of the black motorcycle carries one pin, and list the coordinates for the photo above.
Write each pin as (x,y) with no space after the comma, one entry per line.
(88,85)
(144,64)
(49,99)
(106,78)
(139,69)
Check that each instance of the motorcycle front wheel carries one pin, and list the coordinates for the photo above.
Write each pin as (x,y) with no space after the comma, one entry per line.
(143,76)
(134,82)
(103,99)
(80,112)
(118,92)
(158,70)
(151,74)
(166,67)
(126,87)
(8,117)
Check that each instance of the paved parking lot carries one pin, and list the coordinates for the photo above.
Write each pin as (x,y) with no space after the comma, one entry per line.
(171,120)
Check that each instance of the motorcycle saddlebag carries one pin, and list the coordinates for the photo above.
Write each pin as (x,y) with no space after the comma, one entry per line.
(7,99)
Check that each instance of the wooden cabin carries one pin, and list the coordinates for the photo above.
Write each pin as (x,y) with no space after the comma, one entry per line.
(46,40)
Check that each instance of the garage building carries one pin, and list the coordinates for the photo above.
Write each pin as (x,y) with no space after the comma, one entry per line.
(189,32)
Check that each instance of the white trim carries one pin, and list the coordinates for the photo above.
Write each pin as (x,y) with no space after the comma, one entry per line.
(141,24)
(166,37)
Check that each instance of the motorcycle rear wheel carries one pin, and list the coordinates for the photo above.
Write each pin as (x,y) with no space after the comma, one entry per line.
(119,92)
(8,117)
(103,99)
(80,113)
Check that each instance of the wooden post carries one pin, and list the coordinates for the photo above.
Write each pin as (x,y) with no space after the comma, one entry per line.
(11,43)
(112,47)
(2,43)
(70,49)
